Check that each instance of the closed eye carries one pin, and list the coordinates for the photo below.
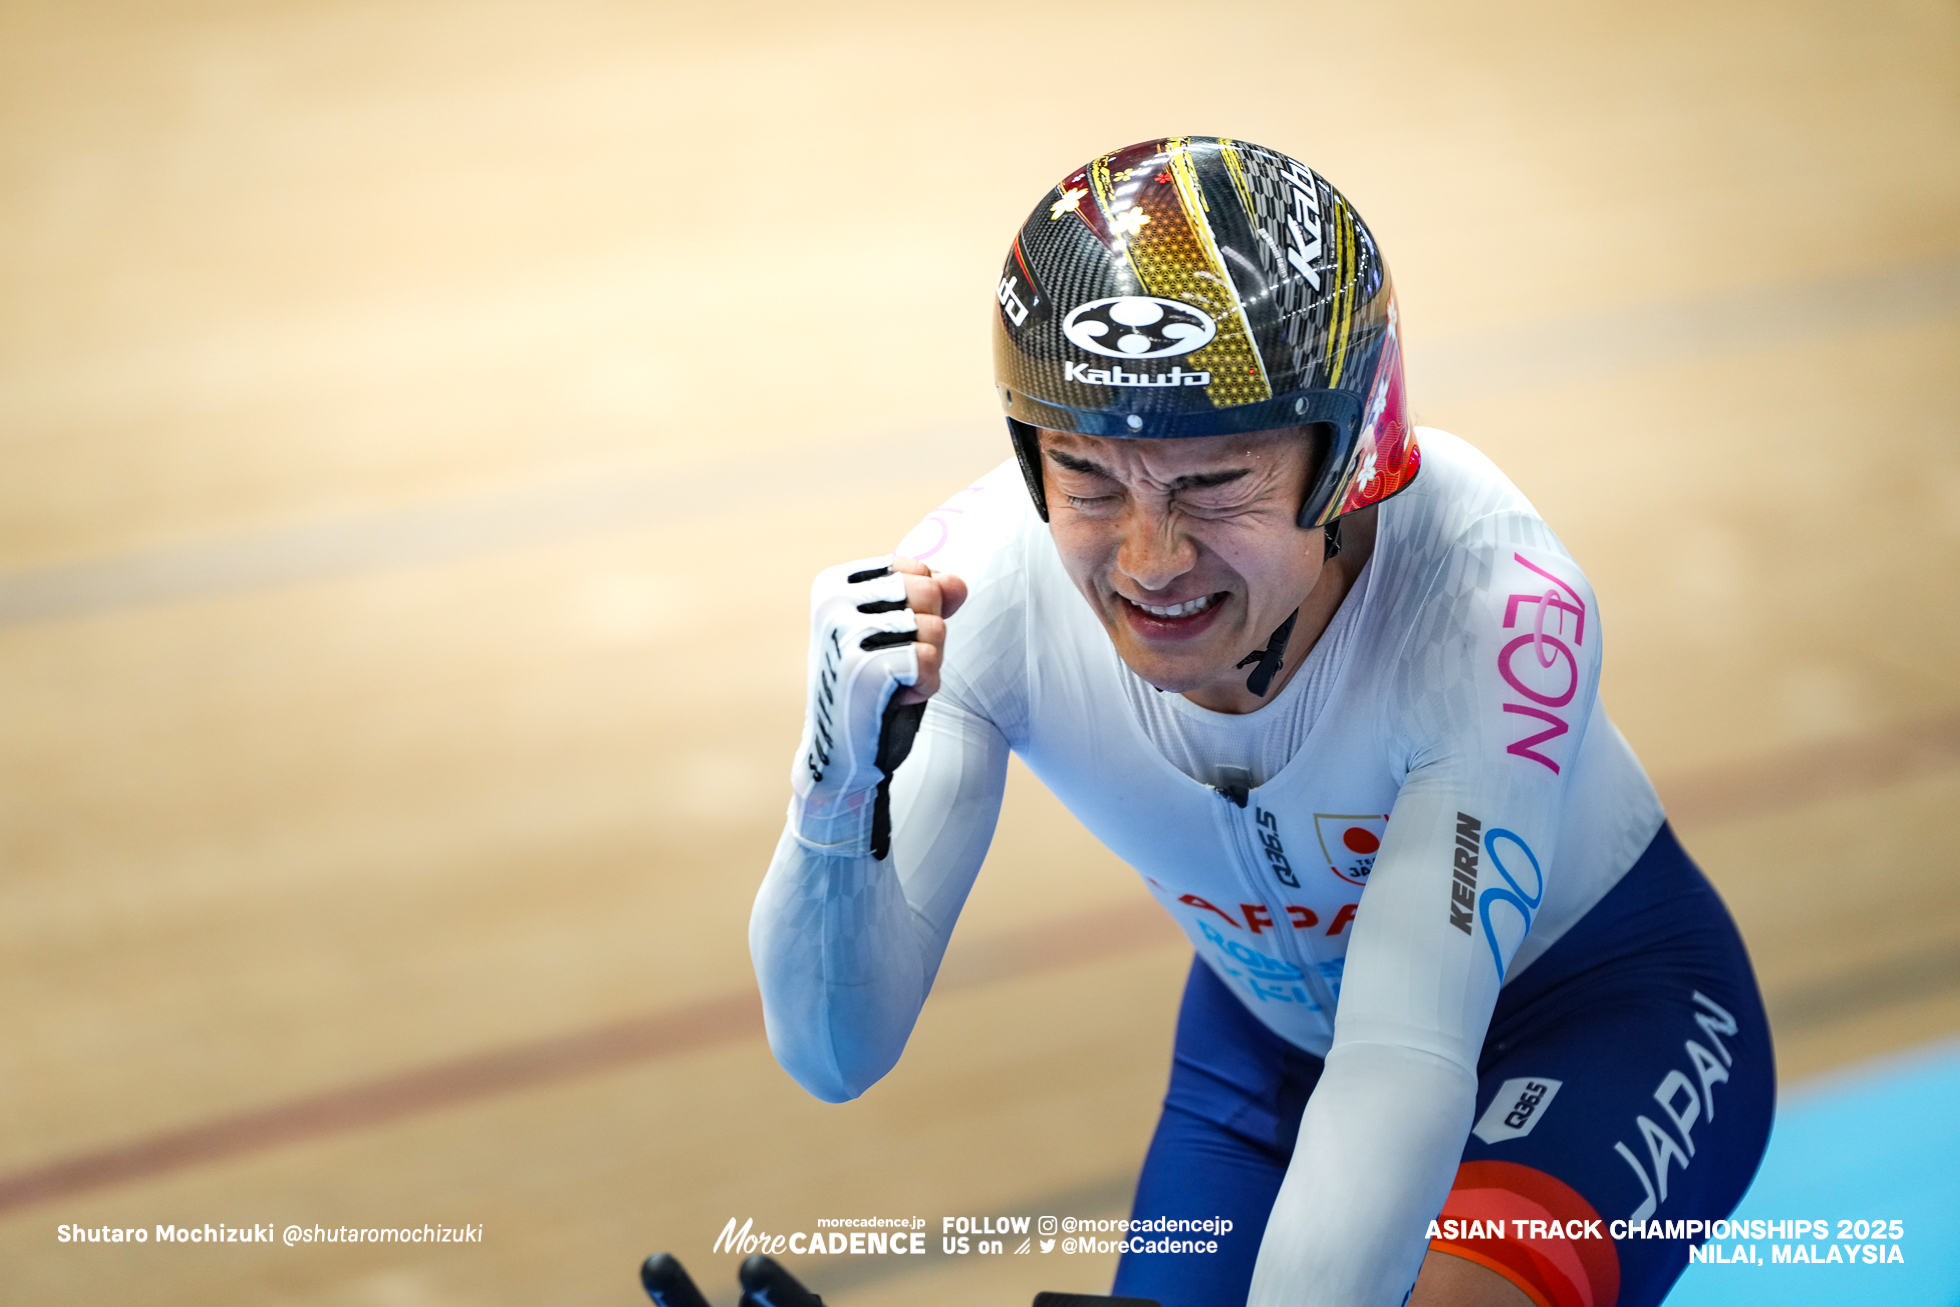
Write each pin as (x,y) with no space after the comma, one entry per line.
(1222,502)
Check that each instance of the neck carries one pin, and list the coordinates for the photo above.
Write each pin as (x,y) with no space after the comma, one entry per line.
(1317,610)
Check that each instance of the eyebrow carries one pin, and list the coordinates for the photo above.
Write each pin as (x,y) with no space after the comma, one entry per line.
(1194,481)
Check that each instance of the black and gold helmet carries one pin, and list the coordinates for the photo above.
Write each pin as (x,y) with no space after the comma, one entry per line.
(1201,286)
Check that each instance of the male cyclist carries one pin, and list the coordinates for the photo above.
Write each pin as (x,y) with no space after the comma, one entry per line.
(1464,1018)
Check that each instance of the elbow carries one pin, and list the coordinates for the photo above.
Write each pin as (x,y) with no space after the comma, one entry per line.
(825,1088)
(826,1072)
(820,1077)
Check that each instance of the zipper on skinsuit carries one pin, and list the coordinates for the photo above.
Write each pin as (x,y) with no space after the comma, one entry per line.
(1234,812)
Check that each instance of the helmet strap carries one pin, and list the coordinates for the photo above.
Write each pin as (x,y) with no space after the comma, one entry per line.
(1027,452)
(1270,659)
(1333,530)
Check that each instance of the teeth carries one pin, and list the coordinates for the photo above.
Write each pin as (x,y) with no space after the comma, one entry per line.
(1185,609)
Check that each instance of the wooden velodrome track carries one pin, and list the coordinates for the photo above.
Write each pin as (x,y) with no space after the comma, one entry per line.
(420,423)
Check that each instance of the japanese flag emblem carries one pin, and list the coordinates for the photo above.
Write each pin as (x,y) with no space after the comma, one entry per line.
(1348,842)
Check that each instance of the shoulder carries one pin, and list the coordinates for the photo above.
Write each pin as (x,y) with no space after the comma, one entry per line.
(1457,487)
(990,536)
(1464,557)
(1458,525)
(980,532)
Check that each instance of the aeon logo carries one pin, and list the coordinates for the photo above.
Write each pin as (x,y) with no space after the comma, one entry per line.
(1139,327)
(1539,683)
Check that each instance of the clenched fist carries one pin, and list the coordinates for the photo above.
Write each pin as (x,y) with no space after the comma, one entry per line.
(877,642)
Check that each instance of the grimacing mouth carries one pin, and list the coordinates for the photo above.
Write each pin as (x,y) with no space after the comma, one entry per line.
(1188,608)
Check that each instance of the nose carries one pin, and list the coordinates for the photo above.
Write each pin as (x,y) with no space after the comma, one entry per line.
(1154,552)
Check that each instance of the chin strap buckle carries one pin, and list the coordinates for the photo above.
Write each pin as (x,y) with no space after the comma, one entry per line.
(1270,659)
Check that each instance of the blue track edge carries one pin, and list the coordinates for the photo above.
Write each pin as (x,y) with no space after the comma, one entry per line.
(1879,1142)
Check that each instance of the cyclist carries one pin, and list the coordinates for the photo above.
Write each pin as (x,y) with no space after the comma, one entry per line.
(1464,1018)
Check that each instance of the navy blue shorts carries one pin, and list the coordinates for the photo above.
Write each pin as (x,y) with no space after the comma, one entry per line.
(1627,1077)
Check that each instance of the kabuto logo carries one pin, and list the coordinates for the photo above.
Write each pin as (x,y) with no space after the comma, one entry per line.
(1115,376)
(1139,327)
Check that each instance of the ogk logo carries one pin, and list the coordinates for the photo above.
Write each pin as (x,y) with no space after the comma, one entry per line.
(1139,327)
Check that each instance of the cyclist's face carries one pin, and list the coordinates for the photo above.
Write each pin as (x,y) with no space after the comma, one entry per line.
(1188,550)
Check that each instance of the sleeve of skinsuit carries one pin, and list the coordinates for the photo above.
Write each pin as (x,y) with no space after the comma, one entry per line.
(846,943)
(1495,682)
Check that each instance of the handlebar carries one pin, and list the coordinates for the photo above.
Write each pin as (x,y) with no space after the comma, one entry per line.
(766,1284)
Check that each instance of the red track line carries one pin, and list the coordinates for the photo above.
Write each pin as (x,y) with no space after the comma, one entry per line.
(389,1098)
(1802,776)
(659,1035)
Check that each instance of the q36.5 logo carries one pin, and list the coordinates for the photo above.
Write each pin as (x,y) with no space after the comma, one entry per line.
(1139,327)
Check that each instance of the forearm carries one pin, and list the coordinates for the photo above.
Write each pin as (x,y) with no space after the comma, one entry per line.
(846,946)
(1378,1148)
(1383,1132)
(843,963)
